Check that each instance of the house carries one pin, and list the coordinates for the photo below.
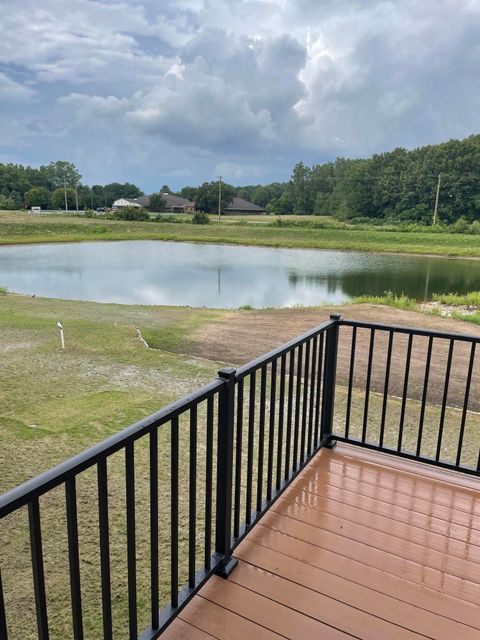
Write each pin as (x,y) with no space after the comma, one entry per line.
(239,206)
(173,204)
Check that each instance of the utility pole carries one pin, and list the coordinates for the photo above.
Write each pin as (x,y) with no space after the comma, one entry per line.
(65,192)
(219,197)
(437,198)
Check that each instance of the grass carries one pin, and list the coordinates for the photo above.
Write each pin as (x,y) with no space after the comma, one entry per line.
(470,299)
(20,228)
(449,300)
(389,299)
(55,403)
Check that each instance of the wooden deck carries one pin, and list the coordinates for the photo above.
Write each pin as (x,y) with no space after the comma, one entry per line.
(362,545)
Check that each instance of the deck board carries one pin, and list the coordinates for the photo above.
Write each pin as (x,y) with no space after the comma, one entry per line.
(362,545)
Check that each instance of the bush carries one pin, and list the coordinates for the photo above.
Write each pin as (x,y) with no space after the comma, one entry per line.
(475,227)
(460,226)
(89,213)
(200,217)
(130,213)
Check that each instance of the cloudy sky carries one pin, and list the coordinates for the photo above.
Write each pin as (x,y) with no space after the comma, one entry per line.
(179,91)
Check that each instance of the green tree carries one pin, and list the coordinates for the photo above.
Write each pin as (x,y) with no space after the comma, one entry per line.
(58,198)
(6,203)
(166,189)
(157,202)
(115,190)
(207,196)
(63,173)
(189,193)
(37,197)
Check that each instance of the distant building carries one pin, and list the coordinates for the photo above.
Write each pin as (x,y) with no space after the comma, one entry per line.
(240,206)
(173,204)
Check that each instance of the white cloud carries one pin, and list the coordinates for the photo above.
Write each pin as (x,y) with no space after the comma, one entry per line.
(194,85)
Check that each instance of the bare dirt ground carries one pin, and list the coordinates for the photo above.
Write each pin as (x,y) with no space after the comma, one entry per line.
(241,337)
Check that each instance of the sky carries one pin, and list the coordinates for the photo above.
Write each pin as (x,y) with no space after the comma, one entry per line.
(180,91)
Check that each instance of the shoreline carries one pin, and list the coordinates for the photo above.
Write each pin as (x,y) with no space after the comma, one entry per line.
(226,242)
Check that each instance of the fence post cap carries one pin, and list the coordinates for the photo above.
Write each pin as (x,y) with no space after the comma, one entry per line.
(335,316)
(226,373)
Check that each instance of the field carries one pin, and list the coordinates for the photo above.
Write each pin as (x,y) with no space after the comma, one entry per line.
(20,228)
(55,403)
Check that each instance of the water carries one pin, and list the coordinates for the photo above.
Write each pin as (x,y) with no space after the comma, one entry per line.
(169,273)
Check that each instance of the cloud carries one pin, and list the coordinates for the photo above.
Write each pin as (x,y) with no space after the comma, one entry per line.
(13,91)
(253,86)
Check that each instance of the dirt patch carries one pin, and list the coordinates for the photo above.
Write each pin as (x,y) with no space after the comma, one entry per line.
(247,335)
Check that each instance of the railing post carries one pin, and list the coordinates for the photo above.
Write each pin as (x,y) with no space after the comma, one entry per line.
(223,535)
(329,376)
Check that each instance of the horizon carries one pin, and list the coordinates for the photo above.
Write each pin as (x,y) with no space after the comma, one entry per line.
(180,93)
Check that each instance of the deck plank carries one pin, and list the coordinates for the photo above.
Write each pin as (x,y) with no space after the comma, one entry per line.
(265,612)
(361,545)
(414,615)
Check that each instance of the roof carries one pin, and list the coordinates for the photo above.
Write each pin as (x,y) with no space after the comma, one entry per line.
(239,204)
(175,201)
(170,201)
(143,201)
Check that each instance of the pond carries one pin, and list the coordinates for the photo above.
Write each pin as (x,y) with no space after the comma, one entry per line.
(212,275)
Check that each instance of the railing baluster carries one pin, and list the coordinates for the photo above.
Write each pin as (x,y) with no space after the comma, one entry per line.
(223,519)
(131,538)
(424,396)
(102,483)
(305,401)
(192,498)
(350,381)
(385,388)
(154,588)
(297,408)
(174,512)
(238,460)
(288,437)
(367,385)
(465,404)
(74,557)
(261,437)
(329,382)
(405,392)
(271,431)
(313,371)
(3,615)
(251,436)
(444,400)
(281,414)
(318,397)
(37,569)
(208,485)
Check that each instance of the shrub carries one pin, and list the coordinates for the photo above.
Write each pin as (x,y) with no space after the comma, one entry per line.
(460,226)
(475,227)
(89,213)
(200,217)
(131,213)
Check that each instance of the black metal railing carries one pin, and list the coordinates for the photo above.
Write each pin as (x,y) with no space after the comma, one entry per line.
(409,392)
(177,491)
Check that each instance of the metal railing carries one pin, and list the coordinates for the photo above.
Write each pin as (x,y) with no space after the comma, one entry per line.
(181,488)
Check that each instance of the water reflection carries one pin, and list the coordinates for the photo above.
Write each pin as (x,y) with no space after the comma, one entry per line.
(223,276)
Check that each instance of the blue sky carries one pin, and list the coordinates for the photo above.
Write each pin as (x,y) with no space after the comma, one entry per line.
(181,91)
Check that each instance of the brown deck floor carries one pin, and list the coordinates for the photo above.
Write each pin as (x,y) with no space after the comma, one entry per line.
(362,545)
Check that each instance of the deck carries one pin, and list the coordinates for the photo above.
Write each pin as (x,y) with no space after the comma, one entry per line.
(361,545)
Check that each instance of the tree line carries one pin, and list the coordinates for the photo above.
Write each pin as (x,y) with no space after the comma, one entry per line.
(393,187)
(56,186)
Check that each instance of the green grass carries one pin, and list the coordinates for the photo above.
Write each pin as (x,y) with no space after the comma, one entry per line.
(470,299)
(19,228)
(54,403)
(389,299)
